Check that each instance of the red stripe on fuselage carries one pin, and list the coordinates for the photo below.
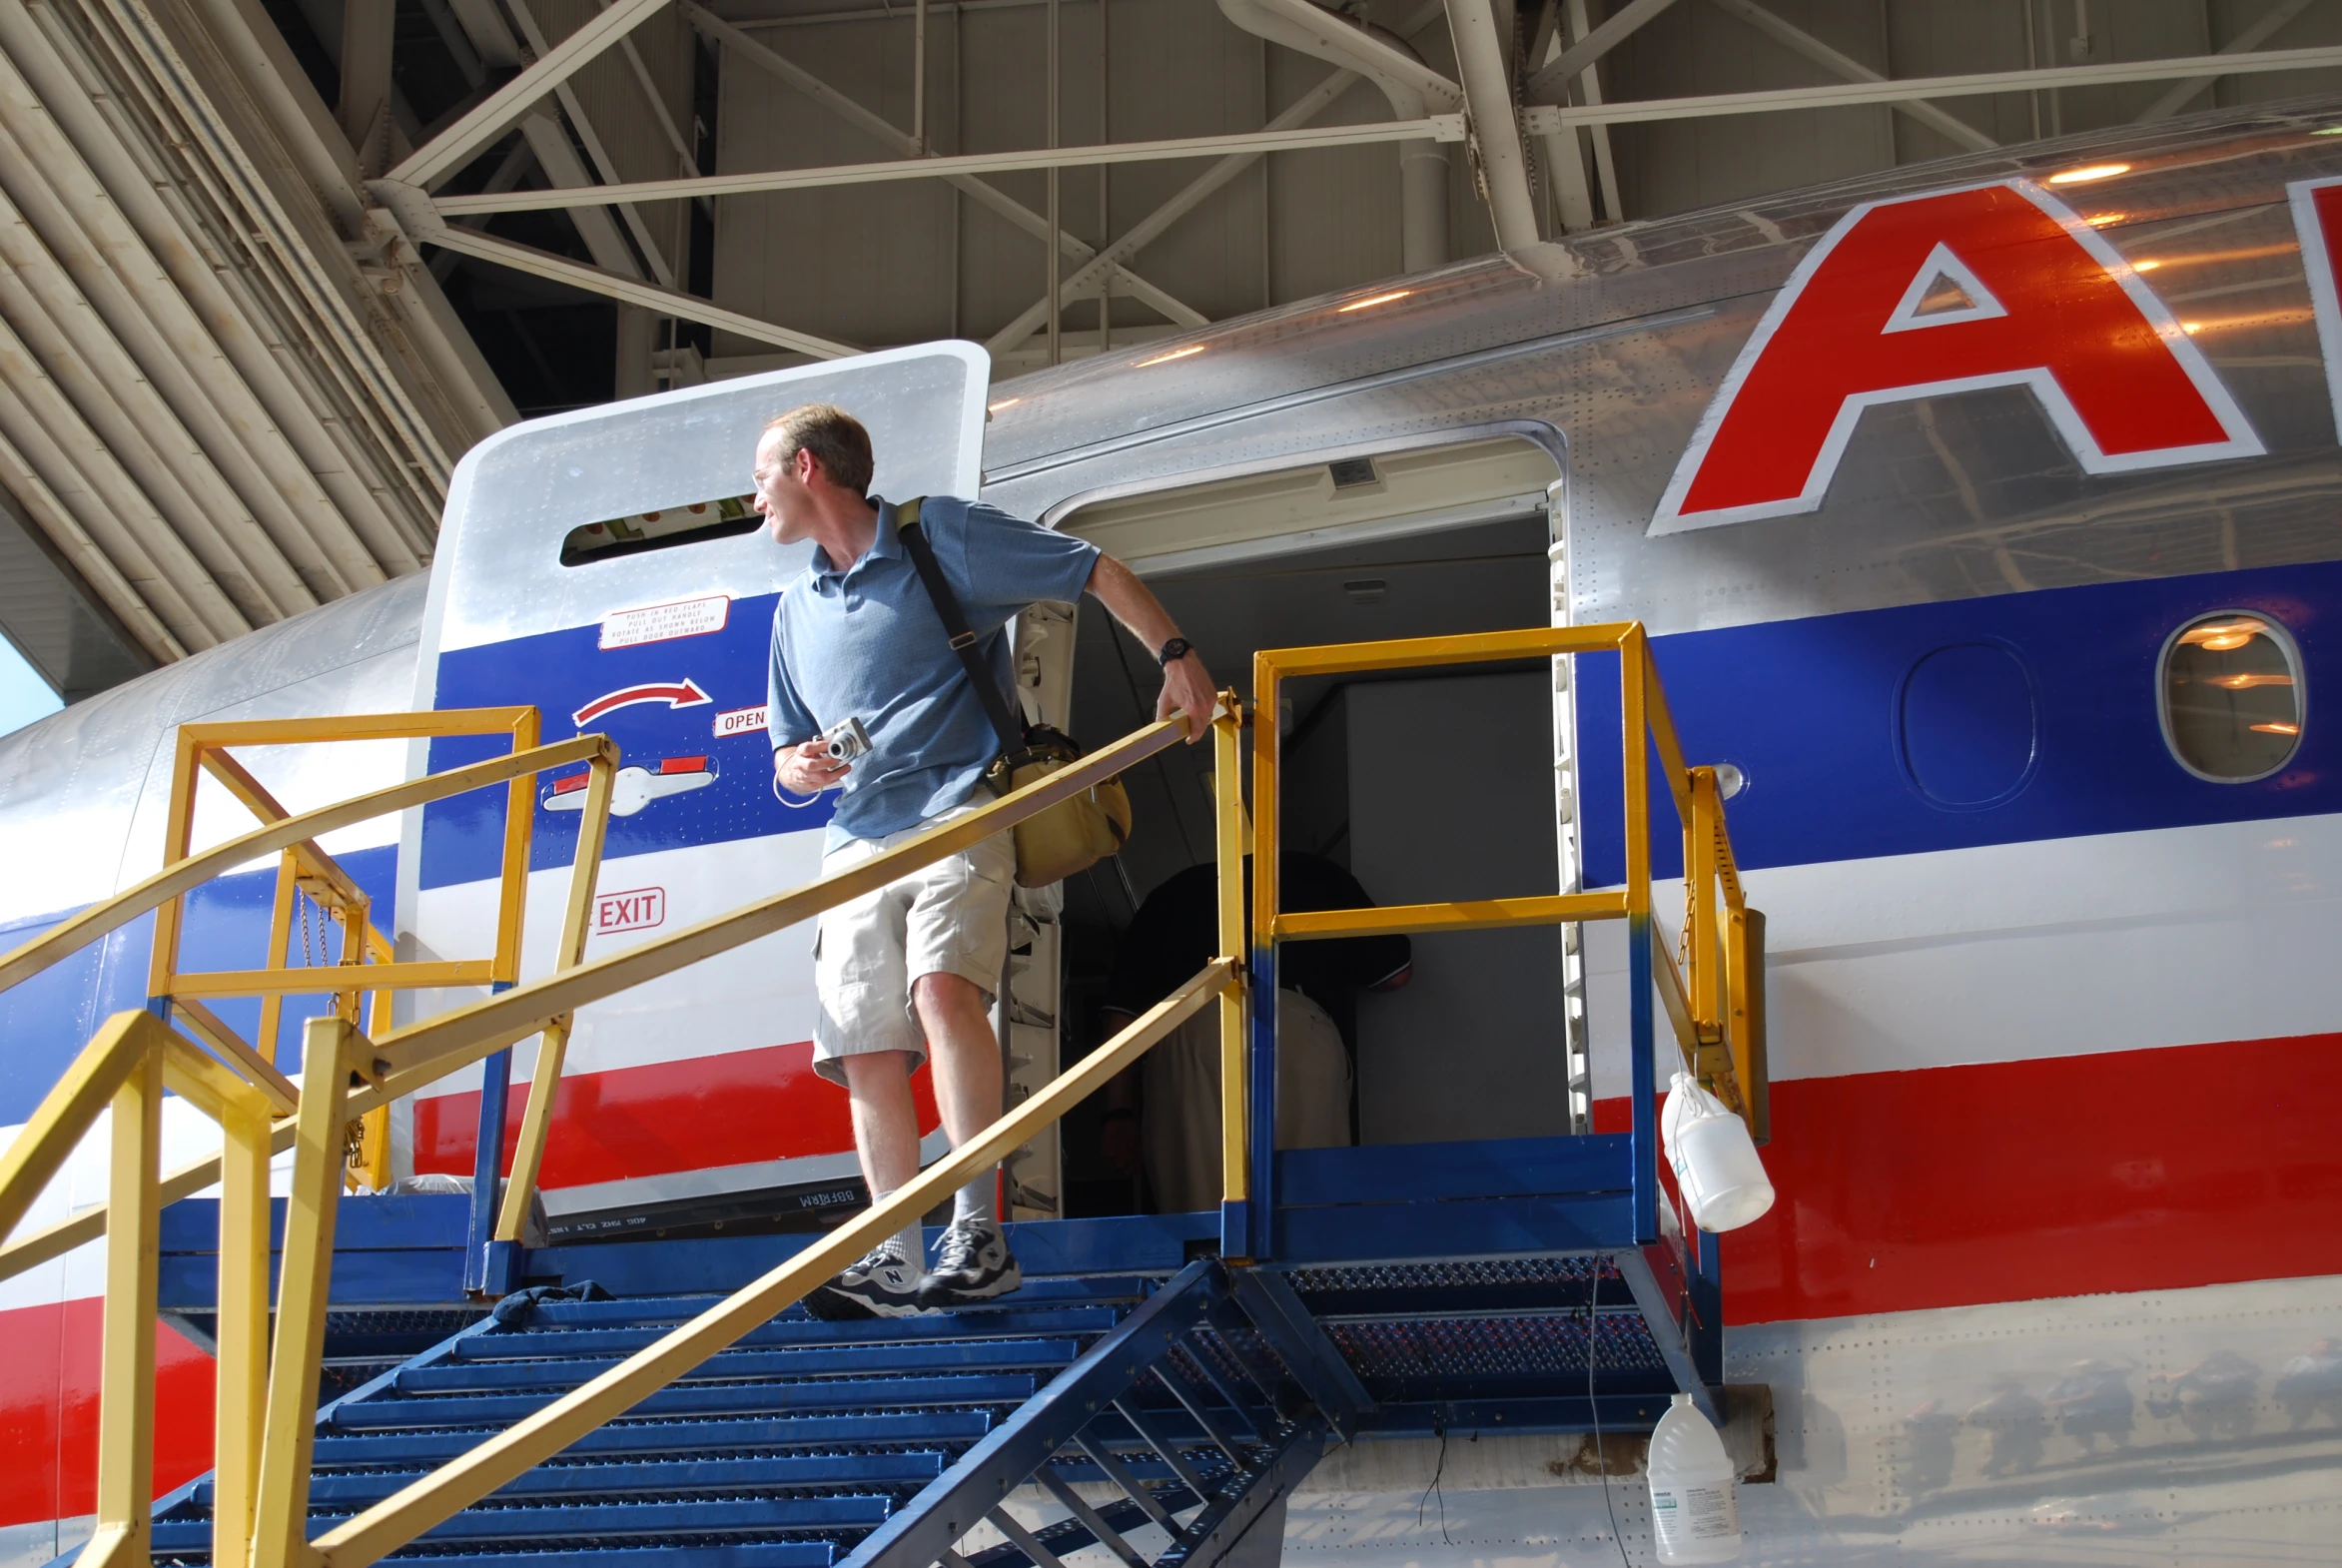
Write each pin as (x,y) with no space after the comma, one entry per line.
(49,1410)
(698,1112)
(2062,1175)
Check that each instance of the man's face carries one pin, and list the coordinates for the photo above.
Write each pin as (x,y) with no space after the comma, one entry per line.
(781,489)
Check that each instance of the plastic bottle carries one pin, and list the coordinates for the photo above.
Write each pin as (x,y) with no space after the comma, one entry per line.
(1694,1515)
(1714,1158)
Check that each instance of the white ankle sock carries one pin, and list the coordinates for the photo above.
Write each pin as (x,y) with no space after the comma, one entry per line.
(975,1200)
(909,1244)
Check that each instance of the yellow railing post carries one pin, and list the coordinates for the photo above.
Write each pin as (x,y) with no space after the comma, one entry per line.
(288,1441)
(126,1394)
(1634,723)
(1699,882)
(1229,846)
(242,1390)
(519,823)
(178,836)
(281,911)
(544,1083)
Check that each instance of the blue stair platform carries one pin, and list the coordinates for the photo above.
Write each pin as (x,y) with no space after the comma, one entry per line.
(1161,1400)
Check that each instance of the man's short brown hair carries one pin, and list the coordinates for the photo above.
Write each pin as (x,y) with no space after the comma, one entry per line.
(835,437)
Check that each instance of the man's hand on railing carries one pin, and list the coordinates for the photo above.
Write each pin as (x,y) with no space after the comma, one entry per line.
(808,768)
(1186,684)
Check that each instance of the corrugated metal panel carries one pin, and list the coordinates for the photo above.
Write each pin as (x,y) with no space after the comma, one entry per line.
(620,112)
(1289,225)
(1674,166)
(871,264)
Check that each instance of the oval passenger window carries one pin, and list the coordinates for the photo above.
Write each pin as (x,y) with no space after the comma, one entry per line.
(2230,696)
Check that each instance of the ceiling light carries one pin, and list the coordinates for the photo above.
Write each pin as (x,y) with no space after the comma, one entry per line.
(1373,299)
(2087,173)
(1176,353)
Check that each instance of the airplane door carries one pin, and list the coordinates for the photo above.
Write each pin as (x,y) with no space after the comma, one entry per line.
(607,565)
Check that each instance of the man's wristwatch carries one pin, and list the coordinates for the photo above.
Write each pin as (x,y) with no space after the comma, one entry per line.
(1176,649)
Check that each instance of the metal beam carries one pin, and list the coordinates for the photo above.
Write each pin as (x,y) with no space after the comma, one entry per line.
(1150,227)
(605,166)
(1444,128)
(887,134)
(1589,91)
(455,147)
(2279,15)
(424,225)
(1543,117)
(1549,84)
(1482,61)
(1847,69)
(547,139)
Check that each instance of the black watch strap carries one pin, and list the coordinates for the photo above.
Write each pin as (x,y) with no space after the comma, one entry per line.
(1177,648)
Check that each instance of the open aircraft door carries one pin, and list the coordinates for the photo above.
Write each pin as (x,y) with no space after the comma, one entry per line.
(608,566)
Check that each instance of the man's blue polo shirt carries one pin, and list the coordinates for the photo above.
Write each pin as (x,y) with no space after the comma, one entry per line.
(866,643)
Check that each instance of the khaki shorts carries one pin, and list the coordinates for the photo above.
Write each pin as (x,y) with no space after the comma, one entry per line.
(950,918)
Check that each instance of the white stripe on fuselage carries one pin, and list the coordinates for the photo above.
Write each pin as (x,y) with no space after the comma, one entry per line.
(752,996)
(2015,952)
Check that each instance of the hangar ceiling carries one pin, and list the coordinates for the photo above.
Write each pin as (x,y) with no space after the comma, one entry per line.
(268,267)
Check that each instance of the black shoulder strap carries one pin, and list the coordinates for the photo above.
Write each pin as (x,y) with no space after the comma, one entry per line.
(947,609)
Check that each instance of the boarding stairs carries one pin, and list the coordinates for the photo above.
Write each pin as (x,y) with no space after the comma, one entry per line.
(1162,1417)
(1157,1389)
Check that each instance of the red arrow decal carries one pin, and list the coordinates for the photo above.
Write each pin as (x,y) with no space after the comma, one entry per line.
(685,695)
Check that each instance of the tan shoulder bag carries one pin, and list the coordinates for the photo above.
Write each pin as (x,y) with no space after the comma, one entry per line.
(1077,832)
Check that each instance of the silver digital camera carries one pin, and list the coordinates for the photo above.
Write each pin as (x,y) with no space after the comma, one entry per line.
(845,740)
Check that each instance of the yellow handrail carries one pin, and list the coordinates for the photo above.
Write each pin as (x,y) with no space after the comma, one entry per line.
(263,1507)
(402,1517)
(262,1482)
(1710,998)
(185,872)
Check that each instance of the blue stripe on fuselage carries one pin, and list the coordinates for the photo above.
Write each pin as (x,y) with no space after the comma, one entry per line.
(561,672)
(1810,711)
(45,1021)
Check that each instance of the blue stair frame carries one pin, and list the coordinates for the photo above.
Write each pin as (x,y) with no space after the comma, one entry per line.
(1165,1412)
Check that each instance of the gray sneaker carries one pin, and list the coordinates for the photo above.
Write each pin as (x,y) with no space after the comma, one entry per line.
(972,1266)
(880,1286)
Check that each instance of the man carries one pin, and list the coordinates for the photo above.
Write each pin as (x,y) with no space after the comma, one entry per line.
(914,966)
(1175,933)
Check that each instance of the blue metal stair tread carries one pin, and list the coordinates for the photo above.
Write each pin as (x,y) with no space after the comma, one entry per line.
(632,1311)
(517,1344)
(970,1355)
(603,1521)
(728,1554)
(872,1394)
(654,1476)
(672,1436)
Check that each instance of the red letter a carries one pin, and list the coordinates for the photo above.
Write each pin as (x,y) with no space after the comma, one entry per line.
(2035,299)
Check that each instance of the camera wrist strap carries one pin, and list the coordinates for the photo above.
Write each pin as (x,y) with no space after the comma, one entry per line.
(947,609)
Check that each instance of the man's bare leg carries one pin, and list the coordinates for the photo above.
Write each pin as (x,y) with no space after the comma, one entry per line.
(886,1131)
(971,1263)
(967,1054)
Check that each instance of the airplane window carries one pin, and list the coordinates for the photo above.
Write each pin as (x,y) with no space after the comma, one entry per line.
(2230,696)
(720,519)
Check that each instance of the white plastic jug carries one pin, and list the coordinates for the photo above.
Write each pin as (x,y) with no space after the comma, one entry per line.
(1694,1515)
(1715,1160)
